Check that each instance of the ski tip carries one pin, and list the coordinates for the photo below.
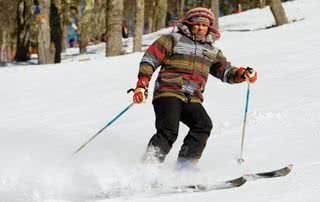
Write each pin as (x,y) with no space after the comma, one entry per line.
(238,181)
(286,170)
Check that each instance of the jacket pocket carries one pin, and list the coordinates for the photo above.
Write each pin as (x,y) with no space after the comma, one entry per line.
(169,83)
(210,55)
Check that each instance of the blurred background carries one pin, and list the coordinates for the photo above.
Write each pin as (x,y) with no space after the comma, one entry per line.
(43,29)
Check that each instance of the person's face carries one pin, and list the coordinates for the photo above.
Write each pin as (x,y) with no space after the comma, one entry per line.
(200,30)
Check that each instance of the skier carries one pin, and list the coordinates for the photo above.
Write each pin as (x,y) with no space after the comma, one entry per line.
(186,58)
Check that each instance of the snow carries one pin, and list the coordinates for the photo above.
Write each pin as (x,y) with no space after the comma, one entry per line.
(48,111)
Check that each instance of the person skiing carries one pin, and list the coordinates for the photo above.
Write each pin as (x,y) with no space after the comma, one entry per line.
(186,57)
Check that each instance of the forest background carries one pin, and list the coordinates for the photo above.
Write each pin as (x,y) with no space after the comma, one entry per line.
(46,28)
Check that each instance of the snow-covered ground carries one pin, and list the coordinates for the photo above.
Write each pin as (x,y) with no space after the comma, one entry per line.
(47,112)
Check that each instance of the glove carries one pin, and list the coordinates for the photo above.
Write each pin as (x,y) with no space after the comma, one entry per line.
(248,74)
(139,95)
(141,92)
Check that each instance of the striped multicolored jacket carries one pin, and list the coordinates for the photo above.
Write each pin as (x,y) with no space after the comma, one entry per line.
(185,66)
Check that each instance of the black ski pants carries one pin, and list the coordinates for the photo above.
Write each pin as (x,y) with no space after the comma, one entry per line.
(169,112)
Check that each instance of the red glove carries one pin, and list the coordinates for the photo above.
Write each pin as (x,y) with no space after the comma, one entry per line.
(244,74)
(141,92)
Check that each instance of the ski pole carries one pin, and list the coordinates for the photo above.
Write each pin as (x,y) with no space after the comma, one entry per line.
(241,160)
(102,129)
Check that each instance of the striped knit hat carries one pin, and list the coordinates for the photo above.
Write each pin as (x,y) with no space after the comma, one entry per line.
(197,15)
(201,15)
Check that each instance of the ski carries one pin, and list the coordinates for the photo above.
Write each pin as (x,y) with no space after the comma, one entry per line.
(271,174)
(160,189)
(210,187)
(235,182)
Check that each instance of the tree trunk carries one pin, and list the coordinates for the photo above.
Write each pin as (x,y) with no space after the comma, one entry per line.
(114,27)
(160,15)
(214,5)
(83,33)
(194,4)
(262,3)
(85,9)
(278,12)
(81,28)
(139,22)
(23,30)
(3,48)
(45,51)
(8,21)
(65,22)
(149,15)
(98,19)
(56,29)
(180,8)
(204,3)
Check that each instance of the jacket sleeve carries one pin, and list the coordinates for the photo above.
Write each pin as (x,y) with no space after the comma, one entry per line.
(156,55)
(223,69)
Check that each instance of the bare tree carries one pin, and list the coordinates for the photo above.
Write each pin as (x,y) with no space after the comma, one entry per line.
(203,3)
(98,19)
(160,14)
(278,12)
(194,4)
(45,51)
(149,14)
(56,29)
(83,30)
(214,5)
(155,14)
(180,8)
(7,29)
(85,13)
(262,3)
(114,27)
(139,22)
(23,29)
(66,15)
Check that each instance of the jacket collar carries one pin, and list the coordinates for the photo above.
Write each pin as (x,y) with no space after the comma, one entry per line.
(184,29)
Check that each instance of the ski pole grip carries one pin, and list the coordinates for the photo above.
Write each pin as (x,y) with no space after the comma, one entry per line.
(145,92)
(130,90)
(250,70)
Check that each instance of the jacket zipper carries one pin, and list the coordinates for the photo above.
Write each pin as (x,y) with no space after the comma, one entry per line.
(195,54)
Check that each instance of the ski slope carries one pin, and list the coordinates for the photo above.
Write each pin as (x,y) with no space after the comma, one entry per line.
(48,111)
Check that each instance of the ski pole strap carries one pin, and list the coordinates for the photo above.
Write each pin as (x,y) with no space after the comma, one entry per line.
(130,90)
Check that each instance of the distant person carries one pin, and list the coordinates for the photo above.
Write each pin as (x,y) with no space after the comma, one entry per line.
(71,43)
(72,29)
(72,34)
(186,57)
